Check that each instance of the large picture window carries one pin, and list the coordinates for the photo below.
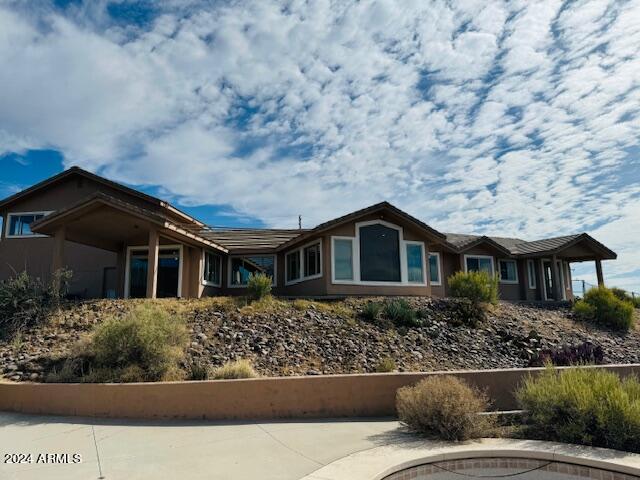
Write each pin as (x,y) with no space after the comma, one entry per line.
(379,254)
(19,224)
(479,264)
(242,267)
(212,269)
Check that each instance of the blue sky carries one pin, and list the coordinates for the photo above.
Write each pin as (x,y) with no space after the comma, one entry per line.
(513,118)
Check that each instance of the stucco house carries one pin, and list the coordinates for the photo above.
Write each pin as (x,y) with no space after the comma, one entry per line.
(120,242)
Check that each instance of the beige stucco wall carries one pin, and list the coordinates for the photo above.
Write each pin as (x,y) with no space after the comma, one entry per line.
(286,397)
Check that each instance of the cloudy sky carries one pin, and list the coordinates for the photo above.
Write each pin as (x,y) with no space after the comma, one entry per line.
(516,118)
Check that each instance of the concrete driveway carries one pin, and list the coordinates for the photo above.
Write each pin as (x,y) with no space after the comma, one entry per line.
(117,449)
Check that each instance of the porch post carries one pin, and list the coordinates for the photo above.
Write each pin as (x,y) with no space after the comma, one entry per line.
(186,272)
(555,279)
(599,273)
(152,264)
(462,262)
(59,238)
(121,268)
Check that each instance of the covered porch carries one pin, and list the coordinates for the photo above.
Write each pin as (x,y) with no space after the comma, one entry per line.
(156,257)
(554,265)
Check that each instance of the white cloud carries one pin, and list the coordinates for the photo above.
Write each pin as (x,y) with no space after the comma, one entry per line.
(519,115)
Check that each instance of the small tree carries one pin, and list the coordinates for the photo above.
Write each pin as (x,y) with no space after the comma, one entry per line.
(258,286)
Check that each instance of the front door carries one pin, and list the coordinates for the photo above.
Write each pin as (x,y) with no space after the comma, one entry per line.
(548,280)
(169,260)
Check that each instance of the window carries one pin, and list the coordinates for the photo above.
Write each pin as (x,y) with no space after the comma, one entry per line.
(312,260)
(19,224)
(379,254)
(508,271)
(434,269)
(212,268)
(479,264)
(293,266)
(342,259)
(242,267)
(415,273)
(531,272)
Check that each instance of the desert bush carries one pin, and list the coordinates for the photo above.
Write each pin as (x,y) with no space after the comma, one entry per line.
(583,405)
(446,407)
(479,287)
(25,300)
(198,371)
(466,312)
(148,338)
(580,354)
(371,311)
(601,306)
(386,364)
(400,313)
(234,370)
(258,286)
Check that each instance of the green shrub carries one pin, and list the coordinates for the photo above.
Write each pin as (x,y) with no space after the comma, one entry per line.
(401,313)
(478,287)
(234,370)
(386,364)
(148,337)
(583,405)
(604,308)
(26,300)
(258,286)
(467,313)
(371,311)
(621,294)
(446,407)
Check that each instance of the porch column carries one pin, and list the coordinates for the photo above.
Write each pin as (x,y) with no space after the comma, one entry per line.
(186,272)
(152,265)
(599,273)
(462,262)
(59,238)
(556,280)
(121,268)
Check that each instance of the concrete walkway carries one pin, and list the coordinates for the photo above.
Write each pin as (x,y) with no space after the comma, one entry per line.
(117,449)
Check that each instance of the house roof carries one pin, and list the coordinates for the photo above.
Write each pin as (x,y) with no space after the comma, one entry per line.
(75,171)
(519,247)
(251,238)
(364,211)
(48,223)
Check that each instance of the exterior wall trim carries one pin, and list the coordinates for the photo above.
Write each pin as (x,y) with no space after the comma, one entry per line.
(531,267)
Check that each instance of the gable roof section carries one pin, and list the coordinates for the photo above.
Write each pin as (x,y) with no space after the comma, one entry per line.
(440,237)
(463,242)
(47,223)
(77,171)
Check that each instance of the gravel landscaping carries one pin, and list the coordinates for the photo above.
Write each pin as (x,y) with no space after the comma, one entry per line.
(311,338)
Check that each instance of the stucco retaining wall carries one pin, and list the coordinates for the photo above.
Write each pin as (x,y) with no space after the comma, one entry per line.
(366,395)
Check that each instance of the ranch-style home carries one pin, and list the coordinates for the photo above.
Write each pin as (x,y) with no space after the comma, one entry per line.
(120,242)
